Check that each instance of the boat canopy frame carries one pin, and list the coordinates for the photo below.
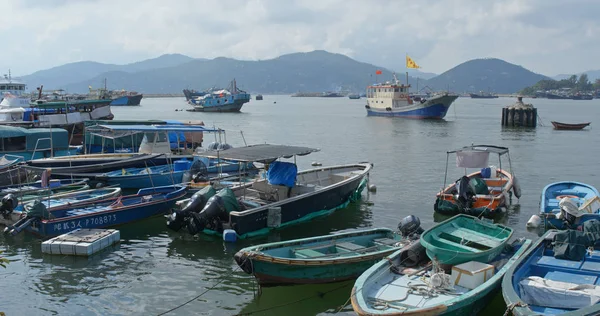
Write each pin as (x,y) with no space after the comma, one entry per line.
(261,153)
(113,132)
(490,149)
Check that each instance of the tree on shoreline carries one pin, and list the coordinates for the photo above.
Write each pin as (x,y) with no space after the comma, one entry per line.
(581,84)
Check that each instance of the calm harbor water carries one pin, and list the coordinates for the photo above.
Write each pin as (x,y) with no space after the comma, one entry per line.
(155,269)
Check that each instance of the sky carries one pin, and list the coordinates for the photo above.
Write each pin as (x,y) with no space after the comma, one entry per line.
(546,36)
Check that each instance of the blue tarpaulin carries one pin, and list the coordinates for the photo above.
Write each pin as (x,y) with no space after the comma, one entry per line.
(282,173)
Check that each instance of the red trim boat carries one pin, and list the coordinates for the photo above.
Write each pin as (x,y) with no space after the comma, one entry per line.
(564,126)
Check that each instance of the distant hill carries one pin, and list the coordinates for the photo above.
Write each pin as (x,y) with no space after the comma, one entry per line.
(62,76)
(418,74)
(315,71)
(492,74)
(592,75)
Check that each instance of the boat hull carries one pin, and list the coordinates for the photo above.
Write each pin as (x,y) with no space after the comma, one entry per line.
(435,108)
(127,100)
(459,239)
(469,303)
(571,127)
(549,202)
(275,270)
(112,217)
(144,180)
(232,107)
(529,262)
(302,207)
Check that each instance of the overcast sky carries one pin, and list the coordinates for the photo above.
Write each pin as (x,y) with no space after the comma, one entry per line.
(545,36)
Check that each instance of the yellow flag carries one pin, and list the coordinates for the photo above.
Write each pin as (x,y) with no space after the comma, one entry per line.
(411,63)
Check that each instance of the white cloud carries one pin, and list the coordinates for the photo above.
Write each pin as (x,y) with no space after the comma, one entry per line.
(545,36)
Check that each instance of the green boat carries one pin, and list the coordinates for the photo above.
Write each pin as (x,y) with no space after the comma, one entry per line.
(465,238)
(391,287)
(321,259)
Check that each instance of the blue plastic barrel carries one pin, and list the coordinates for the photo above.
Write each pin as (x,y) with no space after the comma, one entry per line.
(229,235)
(181,165)
(486,172)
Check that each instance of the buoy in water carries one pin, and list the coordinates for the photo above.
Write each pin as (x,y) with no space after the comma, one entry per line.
(315,164)
(274,102)
(534,222)
(372,188)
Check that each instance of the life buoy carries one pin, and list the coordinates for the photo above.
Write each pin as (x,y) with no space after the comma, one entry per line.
(560,197)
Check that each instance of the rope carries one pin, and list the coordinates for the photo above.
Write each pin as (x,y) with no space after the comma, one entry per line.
(512,306)
(293,302)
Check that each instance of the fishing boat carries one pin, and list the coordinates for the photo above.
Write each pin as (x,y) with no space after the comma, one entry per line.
(581,203)
(56,202)
(558,275)
(136,178)
(354,96)
(107,213)
(259,97)
(322,259)
(34,143)
(283,197)
(465,238)
(571,127)
(405,284)
(226,100)
(121,98)
(485,192)
(39,187)
(393,99)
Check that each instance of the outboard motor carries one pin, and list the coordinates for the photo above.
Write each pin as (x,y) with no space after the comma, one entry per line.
(208,216)
(414,255)
(465,192)
(569,212)
(410,225)
(8,203)
(37,211)
(177,219)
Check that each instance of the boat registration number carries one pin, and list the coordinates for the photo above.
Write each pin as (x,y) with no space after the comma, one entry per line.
(92,221)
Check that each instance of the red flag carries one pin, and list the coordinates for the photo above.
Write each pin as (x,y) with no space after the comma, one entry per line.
(378,72)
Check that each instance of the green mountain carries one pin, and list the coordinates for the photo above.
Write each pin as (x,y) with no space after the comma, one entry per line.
(62,76)
(315,71)
(491,74)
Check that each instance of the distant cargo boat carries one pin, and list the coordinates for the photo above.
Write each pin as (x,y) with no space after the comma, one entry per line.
(483,95)
(131,98)
(393,99)
(582,97)
(230,100)
(557,96)
(259,97)
(354,96)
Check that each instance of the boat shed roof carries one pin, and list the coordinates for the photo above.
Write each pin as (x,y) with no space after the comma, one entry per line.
(482,148)
(263,153)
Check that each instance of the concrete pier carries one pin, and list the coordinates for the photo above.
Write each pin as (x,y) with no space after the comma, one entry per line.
(519,115)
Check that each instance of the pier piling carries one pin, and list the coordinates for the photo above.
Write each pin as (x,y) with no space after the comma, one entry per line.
(519,115)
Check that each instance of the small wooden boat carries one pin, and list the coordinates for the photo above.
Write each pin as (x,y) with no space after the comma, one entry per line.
(485,192)
(391,287)
(465,238)
(107,213)
(58,201)
(565,126)
(321,259)
(546,280)
(37,188)
(585,200)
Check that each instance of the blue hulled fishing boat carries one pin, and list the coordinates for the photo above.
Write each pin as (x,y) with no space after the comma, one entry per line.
(566,204)
(227,100)
(136,178)
(558,275)
(110,212)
